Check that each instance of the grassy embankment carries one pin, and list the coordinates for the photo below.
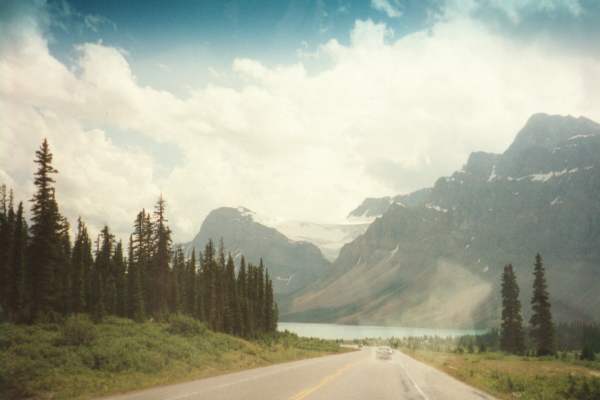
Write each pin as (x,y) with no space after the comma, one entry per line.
(516,377)
(79,359)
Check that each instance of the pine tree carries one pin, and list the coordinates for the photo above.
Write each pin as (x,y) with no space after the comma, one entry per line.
(160,265)
(190,285)
(231,307)
(270,310)
(78,268)
(260,297)
(44,249)
(200,305)
(512,338)
(7,228)
(221,288)
(118,263)
(103,291)
(243,298)
(135,294)
(178,282)
(209,288)
(16,283)
(251,296)
(63,269)
(542,328)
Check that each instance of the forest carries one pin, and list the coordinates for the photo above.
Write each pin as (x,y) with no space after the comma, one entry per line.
(45,276)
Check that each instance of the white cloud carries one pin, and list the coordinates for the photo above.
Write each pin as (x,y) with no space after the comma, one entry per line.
(383,116)
(512,9)
(96,22)
(385,6)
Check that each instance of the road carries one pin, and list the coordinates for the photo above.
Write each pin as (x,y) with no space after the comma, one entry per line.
(357,375)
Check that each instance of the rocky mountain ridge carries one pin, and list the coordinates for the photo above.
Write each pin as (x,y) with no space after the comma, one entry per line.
(434,257)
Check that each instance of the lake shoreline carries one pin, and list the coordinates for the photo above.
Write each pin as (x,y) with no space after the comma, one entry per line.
(357,332)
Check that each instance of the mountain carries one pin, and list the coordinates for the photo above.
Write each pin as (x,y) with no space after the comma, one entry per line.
(373,207)
(434,257)
(329,238)
(292,264)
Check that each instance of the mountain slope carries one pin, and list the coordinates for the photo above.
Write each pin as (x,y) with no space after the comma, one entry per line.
(437,261)
(292,264)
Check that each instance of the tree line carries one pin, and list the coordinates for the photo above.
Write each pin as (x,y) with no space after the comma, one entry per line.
(541,327)
(44,276)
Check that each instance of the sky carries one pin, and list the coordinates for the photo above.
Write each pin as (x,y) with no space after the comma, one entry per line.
(295,109)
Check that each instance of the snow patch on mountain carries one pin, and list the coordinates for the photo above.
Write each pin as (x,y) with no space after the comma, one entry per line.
(544,177)
(582,136)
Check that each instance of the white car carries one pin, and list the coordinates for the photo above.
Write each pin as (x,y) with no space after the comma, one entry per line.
(384,353)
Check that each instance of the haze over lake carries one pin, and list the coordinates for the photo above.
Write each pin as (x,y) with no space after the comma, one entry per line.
(350,332)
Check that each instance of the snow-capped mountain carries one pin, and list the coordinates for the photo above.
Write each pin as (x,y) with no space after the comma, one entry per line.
(434,257)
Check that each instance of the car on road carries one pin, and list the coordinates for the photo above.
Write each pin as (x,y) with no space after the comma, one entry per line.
(384,353)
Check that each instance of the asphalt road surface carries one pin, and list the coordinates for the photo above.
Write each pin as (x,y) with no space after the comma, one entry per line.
(358,375)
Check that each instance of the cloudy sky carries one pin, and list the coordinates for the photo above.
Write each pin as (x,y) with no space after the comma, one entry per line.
(295,109)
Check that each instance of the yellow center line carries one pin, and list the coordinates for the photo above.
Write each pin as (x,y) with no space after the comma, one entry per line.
(307,392)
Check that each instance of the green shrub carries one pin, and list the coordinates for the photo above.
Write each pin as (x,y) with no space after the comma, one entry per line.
(587,354)
(185,326)
(78,331)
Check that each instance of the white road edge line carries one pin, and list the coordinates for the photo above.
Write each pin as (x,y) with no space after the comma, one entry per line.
(413,382)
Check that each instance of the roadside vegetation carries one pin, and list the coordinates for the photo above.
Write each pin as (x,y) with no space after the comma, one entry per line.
(80,359)
(93,316)
(541,360)
(508,376)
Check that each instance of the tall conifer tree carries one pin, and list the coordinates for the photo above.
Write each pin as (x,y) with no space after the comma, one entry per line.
(135,294)
(44,249)
(542,328)
(190,285)
(79,269)
(512,338)
(162,255)
(243,298)
(118,263)
(17,297)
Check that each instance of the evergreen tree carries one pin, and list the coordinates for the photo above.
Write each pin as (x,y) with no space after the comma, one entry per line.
(221,289)
(260,296)
(270,311)
(78,268)
(190,285)
(512,338)
(135,295)
(63,269)
(200,304)
(7,228)
(178,281)
(231,307)
(118,263)
(103,291)
(243,298)
(251,296)
(160,265)
(44,249)
(16,282)
(542,328)
(209,288)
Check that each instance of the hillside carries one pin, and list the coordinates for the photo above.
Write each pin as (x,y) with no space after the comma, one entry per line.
(434,257)
(291,264)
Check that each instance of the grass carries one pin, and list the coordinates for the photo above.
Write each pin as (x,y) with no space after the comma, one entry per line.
(515,377)
(80,360)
